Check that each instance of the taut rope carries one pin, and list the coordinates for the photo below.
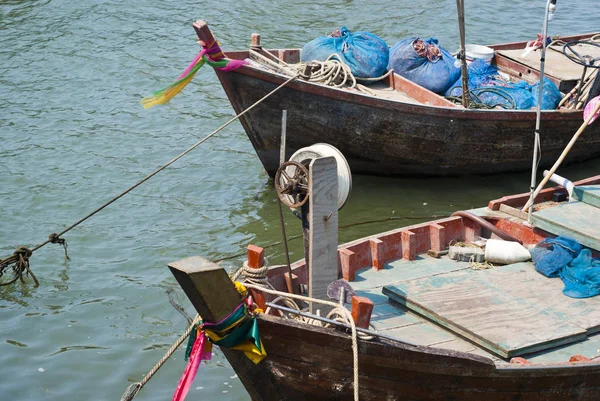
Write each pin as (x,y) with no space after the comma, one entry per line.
(20,258)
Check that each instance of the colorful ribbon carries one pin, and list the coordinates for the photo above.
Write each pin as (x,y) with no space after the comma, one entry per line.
(204,57)
(238,331)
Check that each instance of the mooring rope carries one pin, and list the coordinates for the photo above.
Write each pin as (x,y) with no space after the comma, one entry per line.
(134,388)
(343,311)
(20,258)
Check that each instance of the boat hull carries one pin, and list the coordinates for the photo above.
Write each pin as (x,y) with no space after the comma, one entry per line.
(298,368)
(392,138)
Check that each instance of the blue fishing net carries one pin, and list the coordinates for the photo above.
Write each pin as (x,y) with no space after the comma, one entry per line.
(551,254)
(581,276)
(366,54)
(486,86)
(565,258)
(425,63)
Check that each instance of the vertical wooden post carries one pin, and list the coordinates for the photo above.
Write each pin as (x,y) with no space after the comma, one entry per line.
(377,261)
(323,223)
(214,296)
(256,260)
(208,287)
(362,307)
(255,41)
(207,40)
(409,245)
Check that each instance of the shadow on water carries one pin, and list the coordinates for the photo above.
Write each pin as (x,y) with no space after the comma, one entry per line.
(379,204)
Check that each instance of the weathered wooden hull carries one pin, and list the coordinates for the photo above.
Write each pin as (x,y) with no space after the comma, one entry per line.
(308,363)
(387,137)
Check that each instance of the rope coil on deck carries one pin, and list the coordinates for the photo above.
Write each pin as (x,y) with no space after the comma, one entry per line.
(333,72)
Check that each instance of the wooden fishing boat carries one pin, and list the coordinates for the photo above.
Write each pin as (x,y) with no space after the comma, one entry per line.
(401,128)
(442,330)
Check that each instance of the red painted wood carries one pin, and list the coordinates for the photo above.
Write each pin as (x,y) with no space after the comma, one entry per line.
(409,245)
(362,308)
(520,200)
(438,237)
(256,256)
(348,266)
(376,247)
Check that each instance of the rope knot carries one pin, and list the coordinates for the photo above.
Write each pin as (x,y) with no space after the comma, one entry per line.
(24,252)
(55,239)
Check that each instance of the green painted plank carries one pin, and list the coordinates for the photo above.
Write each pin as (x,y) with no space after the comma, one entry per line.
(589,194)
(577,220)
(423,333)
(485,307)
(403,270)
(589,348)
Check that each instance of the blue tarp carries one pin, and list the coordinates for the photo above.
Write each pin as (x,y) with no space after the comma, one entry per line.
(366,54)
(565,258)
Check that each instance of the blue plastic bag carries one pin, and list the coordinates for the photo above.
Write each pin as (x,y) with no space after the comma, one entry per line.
(551,96)
(366,54)
(434,73)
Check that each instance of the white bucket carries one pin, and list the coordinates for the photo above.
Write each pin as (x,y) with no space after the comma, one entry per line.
(505,252)
(473,52)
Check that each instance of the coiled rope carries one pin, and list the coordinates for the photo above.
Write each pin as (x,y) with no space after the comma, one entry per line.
(20,258)
(334,72)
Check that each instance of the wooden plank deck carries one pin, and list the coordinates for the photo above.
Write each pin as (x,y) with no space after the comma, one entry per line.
(589,194)
(507,310)
(557,64)
(397,320)
(577,220)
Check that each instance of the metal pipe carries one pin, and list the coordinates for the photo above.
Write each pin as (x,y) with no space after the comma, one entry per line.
(565,183)
(291,288)
(335,322)
(486,224)
(538,117)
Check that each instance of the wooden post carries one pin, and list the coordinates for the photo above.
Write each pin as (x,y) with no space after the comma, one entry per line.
(362,307)
(256,260)
(214,296)
(208,287)
(255,41)
(207,40)
(323,223)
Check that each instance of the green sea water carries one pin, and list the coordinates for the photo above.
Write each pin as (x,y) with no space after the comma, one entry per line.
(73,135)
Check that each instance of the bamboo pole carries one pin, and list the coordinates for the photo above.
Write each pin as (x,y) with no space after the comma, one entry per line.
(560,159)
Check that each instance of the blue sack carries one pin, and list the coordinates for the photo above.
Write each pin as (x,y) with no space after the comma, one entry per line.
(552,254)
(366,54)
(551,96)
(432,67)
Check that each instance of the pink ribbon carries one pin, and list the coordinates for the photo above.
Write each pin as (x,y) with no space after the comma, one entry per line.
(198,355)
(589,109)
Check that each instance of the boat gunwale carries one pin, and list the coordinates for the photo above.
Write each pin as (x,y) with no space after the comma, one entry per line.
(339,94)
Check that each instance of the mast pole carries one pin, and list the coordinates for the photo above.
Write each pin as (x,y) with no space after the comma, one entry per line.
(460,6)
(536,143)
